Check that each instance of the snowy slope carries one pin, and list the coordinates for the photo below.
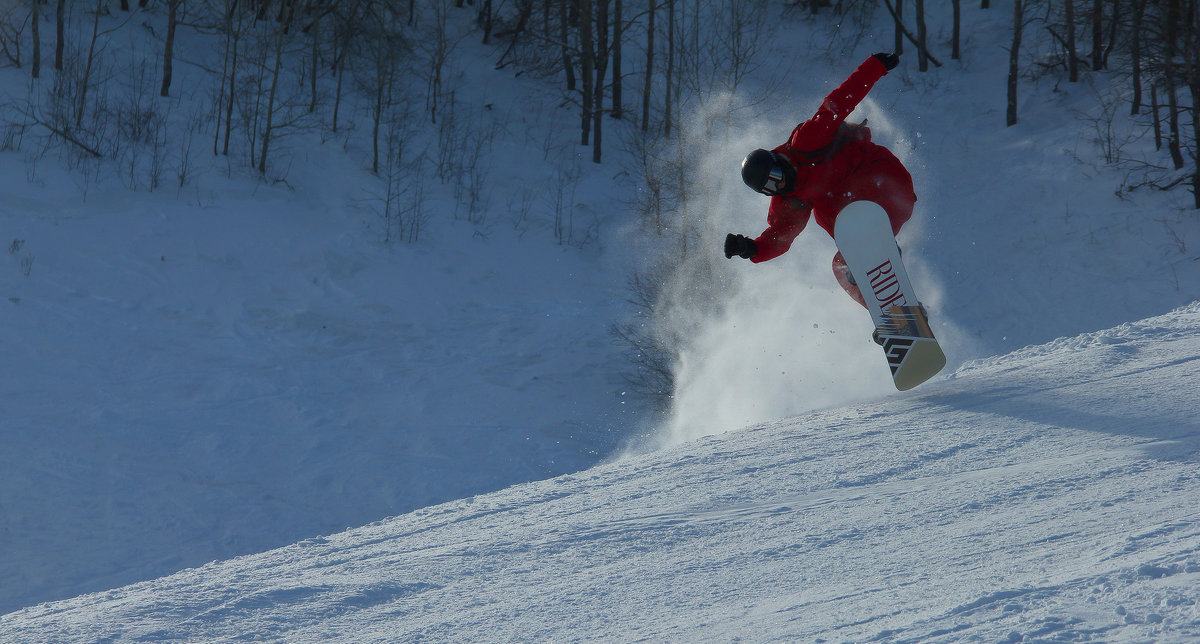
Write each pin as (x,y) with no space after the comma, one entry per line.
(1046,494)
(196,376)
(190,384)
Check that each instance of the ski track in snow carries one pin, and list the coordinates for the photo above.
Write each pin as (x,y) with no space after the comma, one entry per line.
(1045,494)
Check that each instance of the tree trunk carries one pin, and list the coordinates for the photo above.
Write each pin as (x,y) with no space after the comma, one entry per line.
(898,39)
(1098,34)
(314,63)
(922,41)
(87,69)
(60,20)
(1135,51)
(1072,55)
(1114,28)
(922,50)
(233,26)
(668,122)
(565,29)
(601,59)
(587,52)
(485,15)
(276,72)
(225,73)
(1170,77)
(341,43)
(1156,116)
(36,71)
(618,109)
(1014,57)
(1195,87)
(169,47)
(648,78)
(956,37)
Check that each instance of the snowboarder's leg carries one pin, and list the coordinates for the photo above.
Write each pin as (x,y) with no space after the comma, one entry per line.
(842,273)
(884,180)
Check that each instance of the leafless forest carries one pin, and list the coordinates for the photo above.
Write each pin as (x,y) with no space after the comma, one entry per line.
(102,73)
(148,90)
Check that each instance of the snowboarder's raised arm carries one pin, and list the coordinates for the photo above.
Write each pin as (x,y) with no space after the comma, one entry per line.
(818,131)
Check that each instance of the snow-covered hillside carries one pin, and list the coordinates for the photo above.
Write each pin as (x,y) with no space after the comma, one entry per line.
(225,370)
(1049,494)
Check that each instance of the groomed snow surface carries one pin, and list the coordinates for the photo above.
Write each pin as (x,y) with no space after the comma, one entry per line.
(1049,494)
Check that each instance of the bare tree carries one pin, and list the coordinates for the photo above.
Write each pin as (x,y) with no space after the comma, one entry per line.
(486,19)
(36,70)
(1069,42)
(89,65)
(1172,18)
(648,72)
(922,40)
(671,84)
(60,25)
(1135,53)
(273,92)
(565,9)
(586,63)
(1014,60)
(618,37)
(169,45)
(13,19)
(383,47)
(346,31)
(436,44)
(232,29)
(956,34)
(898,19)
(601,63)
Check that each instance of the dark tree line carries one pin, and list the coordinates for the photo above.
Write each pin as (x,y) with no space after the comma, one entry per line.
(1153,45)
(286,65)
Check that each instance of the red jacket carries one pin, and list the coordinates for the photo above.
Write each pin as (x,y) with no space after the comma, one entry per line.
(849,168)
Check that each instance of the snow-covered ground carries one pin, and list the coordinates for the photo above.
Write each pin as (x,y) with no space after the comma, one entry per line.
(199,377)
(191,383)
(1049,494)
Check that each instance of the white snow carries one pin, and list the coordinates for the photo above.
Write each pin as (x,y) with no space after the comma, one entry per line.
(204,392)
(1046,494)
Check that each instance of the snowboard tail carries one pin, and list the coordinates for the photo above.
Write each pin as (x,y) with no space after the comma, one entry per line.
(913,354)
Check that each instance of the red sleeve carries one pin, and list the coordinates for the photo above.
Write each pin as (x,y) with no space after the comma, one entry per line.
(818,131)
(786,218)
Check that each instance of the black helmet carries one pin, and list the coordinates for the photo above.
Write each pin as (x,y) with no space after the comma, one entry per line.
(768,173)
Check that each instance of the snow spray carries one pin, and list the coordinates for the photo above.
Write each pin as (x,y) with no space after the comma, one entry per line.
(756,342)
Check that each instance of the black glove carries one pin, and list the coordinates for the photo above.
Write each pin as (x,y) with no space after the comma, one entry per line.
(741,246)
(889,60)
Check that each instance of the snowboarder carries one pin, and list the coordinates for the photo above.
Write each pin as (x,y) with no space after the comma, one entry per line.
(826,164)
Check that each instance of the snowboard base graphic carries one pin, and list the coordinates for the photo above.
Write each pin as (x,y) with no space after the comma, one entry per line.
(863,234)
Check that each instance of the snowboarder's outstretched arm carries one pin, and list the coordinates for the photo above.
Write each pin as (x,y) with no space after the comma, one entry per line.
(786,219)
(818,131)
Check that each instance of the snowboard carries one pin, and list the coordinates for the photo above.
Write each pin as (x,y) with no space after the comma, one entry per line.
(863,234)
